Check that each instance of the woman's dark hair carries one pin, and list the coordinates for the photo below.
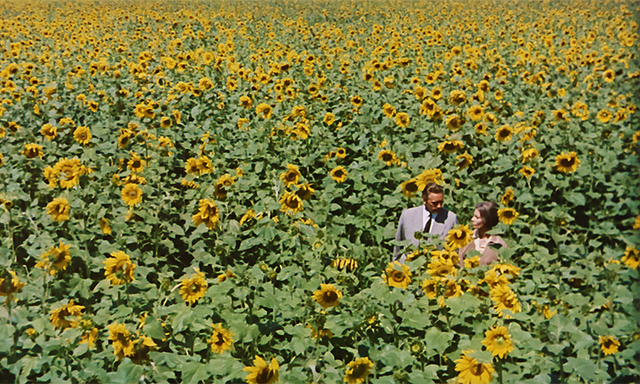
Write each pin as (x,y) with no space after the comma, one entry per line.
(489,213)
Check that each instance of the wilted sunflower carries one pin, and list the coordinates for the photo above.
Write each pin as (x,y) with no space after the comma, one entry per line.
(450,146)
(397,275)
(459,236)
(119,268)
(609,345)
(507,215)
(221,339)
(527,171)
(498,341)
(387,157)
(290,203)
(358,370)
(464,161)
(529,154)
(66,316)
(471,371)
(305,191)
(261,373)
(131,194)
(409,188)
(193,288)
(82,135)
(339,174)
(207,213)
(49,131)
(264,110)
(122,343)
(55,259)
(10,284)
(504,133)
(327,296)
(454,122)
(630,258)
(105,226)
(89,336)
(402,120)
(567,162)
(291,176)
(457,97)
(59,209)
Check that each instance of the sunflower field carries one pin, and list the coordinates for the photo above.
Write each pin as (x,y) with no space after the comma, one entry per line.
(209,192)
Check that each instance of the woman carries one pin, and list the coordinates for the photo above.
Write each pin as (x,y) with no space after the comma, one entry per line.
(484,218)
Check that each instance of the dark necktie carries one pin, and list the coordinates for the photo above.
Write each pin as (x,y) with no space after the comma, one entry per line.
(427,226)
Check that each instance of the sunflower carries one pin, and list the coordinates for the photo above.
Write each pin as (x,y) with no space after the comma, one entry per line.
(498,341)
(264,110)
(221,339)
(527,172)
(10,284)
(567,162)
(604,116)
(32,150)
(135,163)
(82,135)
(105,226)
(427,176)
(609,75)
(305,191)
(327,296)
(397,275)
(630,258)
(419,92)
(430,288)
(68,172)
(471,371)
(459,236)
(454,122)
(388,157)
(207,213)
(59,209)
(358,370)
(402,120)
(464,161)
(341,153)
(59,317)
(131,194)
(504,133)
(193,288)
(123,344)
(245,101)
(529,154)
(609,345)
(290,203)
(90,337)
(504,298)
(507,197)
(457,97)
(291,176)
(261,373)
(481,129)
(339,174)
(410,188)
(55,259)
(329,118)
(441,267)
(507,215)
(49,131)
(356,101)
(388,110)
(450,146)
(475,112)
(119,268)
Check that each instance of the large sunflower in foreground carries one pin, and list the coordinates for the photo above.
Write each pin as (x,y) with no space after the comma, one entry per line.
(261,373)
(397,275)
(459,236)
(193,288)
(472,371)
(339,174)
(498,341)
(358,370)
(567,162)
(221,339)
(131,194)
(327,296)
(119,268)
(66,316)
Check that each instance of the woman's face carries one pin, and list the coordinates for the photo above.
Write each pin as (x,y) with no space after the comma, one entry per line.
(476,220)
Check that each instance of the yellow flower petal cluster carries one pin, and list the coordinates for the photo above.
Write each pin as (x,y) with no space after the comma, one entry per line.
(67,316)
(59,209)
(327,296)
(221,339)
(208,214)
(261,373)
(193,288)
(471,371)
(119,268)
(397,275)
(358,370)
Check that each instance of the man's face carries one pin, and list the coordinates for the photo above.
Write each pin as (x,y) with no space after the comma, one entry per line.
(434,202)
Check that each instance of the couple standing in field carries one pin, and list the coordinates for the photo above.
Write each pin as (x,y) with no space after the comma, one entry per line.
(434,220)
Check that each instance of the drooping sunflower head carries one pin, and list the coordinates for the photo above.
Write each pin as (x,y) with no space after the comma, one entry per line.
(358,370)
(450,146)
(630,258)
(459,236)
(119,268)
(464,161)
(327,296)
(305,191)
(567,162)
(67,316)
(291,203)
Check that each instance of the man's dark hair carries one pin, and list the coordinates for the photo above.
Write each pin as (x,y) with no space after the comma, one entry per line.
(489,213)
(431,188)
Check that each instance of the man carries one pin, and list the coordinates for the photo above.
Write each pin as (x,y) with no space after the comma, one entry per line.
(431,219)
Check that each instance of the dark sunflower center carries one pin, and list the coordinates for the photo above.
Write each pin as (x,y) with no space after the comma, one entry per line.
(568,162)
(291,176)
(477,369)
(133,193)
(219,339)
(397,276)
(264,376)
(292,203)
(412,187)
(505,133)
(338,173)
(330,297)
(387,157)
(359,371)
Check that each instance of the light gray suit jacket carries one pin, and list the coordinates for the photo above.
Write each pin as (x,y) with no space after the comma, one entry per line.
(411,222)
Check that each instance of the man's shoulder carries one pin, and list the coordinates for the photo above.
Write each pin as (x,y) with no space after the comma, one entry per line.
(419,208)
